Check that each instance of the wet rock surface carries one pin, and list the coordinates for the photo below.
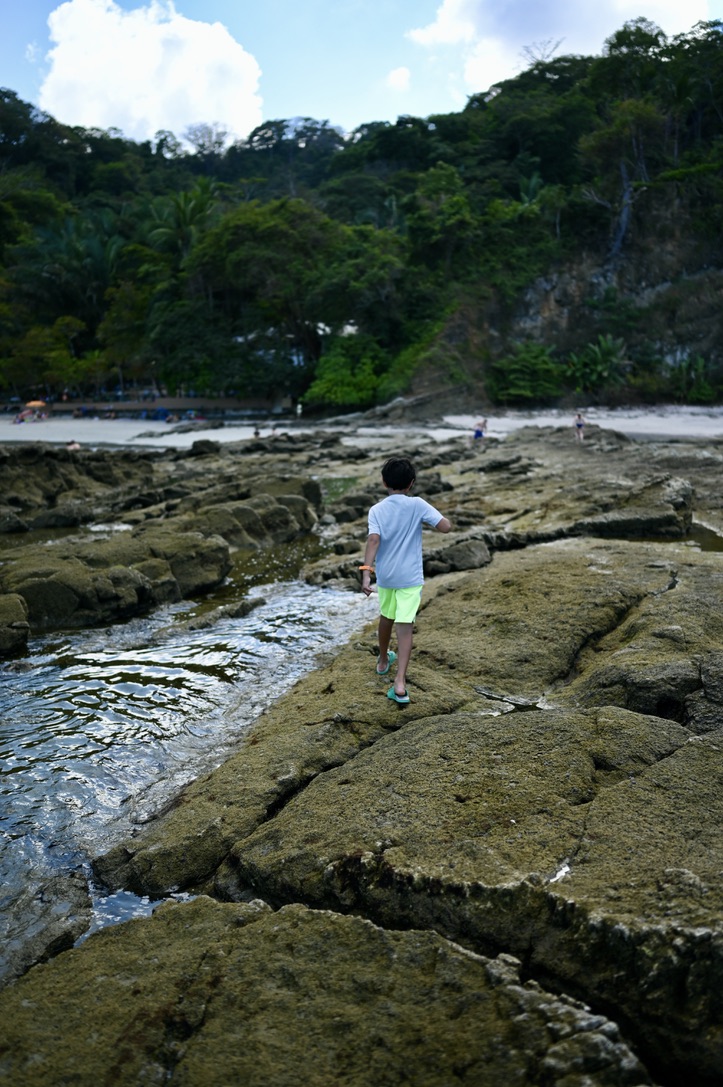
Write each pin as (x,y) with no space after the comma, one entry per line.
(14,626)
(535,486)
(60,911)
(552,793)
(168,526)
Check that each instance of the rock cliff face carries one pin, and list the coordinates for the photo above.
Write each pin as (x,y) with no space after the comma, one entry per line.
(677,311)
(398,892)
(663,293)
(660,291)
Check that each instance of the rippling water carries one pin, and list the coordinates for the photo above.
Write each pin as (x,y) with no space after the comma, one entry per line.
(99,728)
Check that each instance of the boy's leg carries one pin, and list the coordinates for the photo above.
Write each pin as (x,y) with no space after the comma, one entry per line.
(405,636)
(384,632)
(403,604)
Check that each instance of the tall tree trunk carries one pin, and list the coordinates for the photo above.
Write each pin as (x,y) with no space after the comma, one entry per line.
(625,211)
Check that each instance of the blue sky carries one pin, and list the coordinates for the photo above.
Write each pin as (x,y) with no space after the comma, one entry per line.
(158,64)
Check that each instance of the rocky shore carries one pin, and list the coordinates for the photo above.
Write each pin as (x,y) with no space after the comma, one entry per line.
(516,879)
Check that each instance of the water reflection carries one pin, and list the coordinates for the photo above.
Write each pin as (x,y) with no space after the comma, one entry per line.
(101,727)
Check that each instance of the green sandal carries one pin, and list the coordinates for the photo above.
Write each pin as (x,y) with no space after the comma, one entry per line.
(391,657)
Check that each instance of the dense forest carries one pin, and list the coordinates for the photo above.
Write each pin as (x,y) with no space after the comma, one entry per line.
(336,268)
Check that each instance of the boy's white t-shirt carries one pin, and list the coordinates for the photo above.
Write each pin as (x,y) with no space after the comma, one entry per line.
(397,520)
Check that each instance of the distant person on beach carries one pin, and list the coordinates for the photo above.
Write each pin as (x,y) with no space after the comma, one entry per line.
(395,542)
(580,426)
(72,446)
(480,430)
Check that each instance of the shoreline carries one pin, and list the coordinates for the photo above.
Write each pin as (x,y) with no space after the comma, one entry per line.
(669,423)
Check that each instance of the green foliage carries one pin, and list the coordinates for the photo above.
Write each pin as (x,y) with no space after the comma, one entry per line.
(516,244)
(423,349)
(359,199)
(271,270)
(123,332)
(190,347)
(600,365)
(25,203)
(67,269)
(529,375)
(245,267)
(46,356)
(617,313)
(689,381)
(347,374)
(439,218)
(399,375)
(633,137)
(541,122)
(646,379)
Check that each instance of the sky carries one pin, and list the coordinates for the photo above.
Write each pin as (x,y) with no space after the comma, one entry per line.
(141,67)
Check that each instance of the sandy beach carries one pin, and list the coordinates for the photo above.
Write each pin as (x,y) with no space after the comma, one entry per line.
(643,423)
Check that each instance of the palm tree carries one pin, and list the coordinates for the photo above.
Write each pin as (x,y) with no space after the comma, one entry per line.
(177,221)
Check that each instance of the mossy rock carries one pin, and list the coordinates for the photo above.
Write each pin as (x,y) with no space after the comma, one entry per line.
(207,994)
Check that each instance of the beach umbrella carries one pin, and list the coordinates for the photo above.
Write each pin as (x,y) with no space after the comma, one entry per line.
(35,404)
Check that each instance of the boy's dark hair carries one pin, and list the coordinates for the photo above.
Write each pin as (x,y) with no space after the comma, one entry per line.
(398,473)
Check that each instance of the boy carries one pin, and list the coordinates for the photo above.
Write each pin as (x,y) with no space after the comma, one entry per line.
(395,541)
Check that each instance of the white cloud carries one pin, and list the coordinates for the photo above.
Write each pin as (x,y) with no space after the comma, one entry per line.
(489,62)
(456,22)
(399,79)
(145,70)
(487,38)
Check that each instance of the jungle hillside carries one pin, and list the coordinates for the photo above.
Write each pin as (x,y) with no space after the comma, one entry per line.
(558,237)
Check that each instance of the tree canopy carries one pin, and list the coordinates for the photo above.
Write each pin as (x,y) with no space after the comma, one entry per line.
(323,265)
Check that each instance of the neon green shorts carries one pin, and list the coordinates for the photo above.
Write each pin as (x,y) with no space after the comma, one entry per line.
(400,605)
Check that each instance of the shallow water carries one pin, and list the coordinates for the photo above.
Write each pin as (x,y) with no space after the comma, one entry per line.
(99,728)
(704,538)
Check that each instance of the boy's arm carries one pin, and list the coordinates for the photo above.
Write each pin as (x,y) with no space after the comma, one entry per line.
(442,525)
(370,553)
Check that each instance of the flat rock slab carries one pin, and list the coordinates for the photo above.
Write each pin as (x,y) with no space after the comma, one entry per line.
(541,480)
(503,833)
(207,994)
